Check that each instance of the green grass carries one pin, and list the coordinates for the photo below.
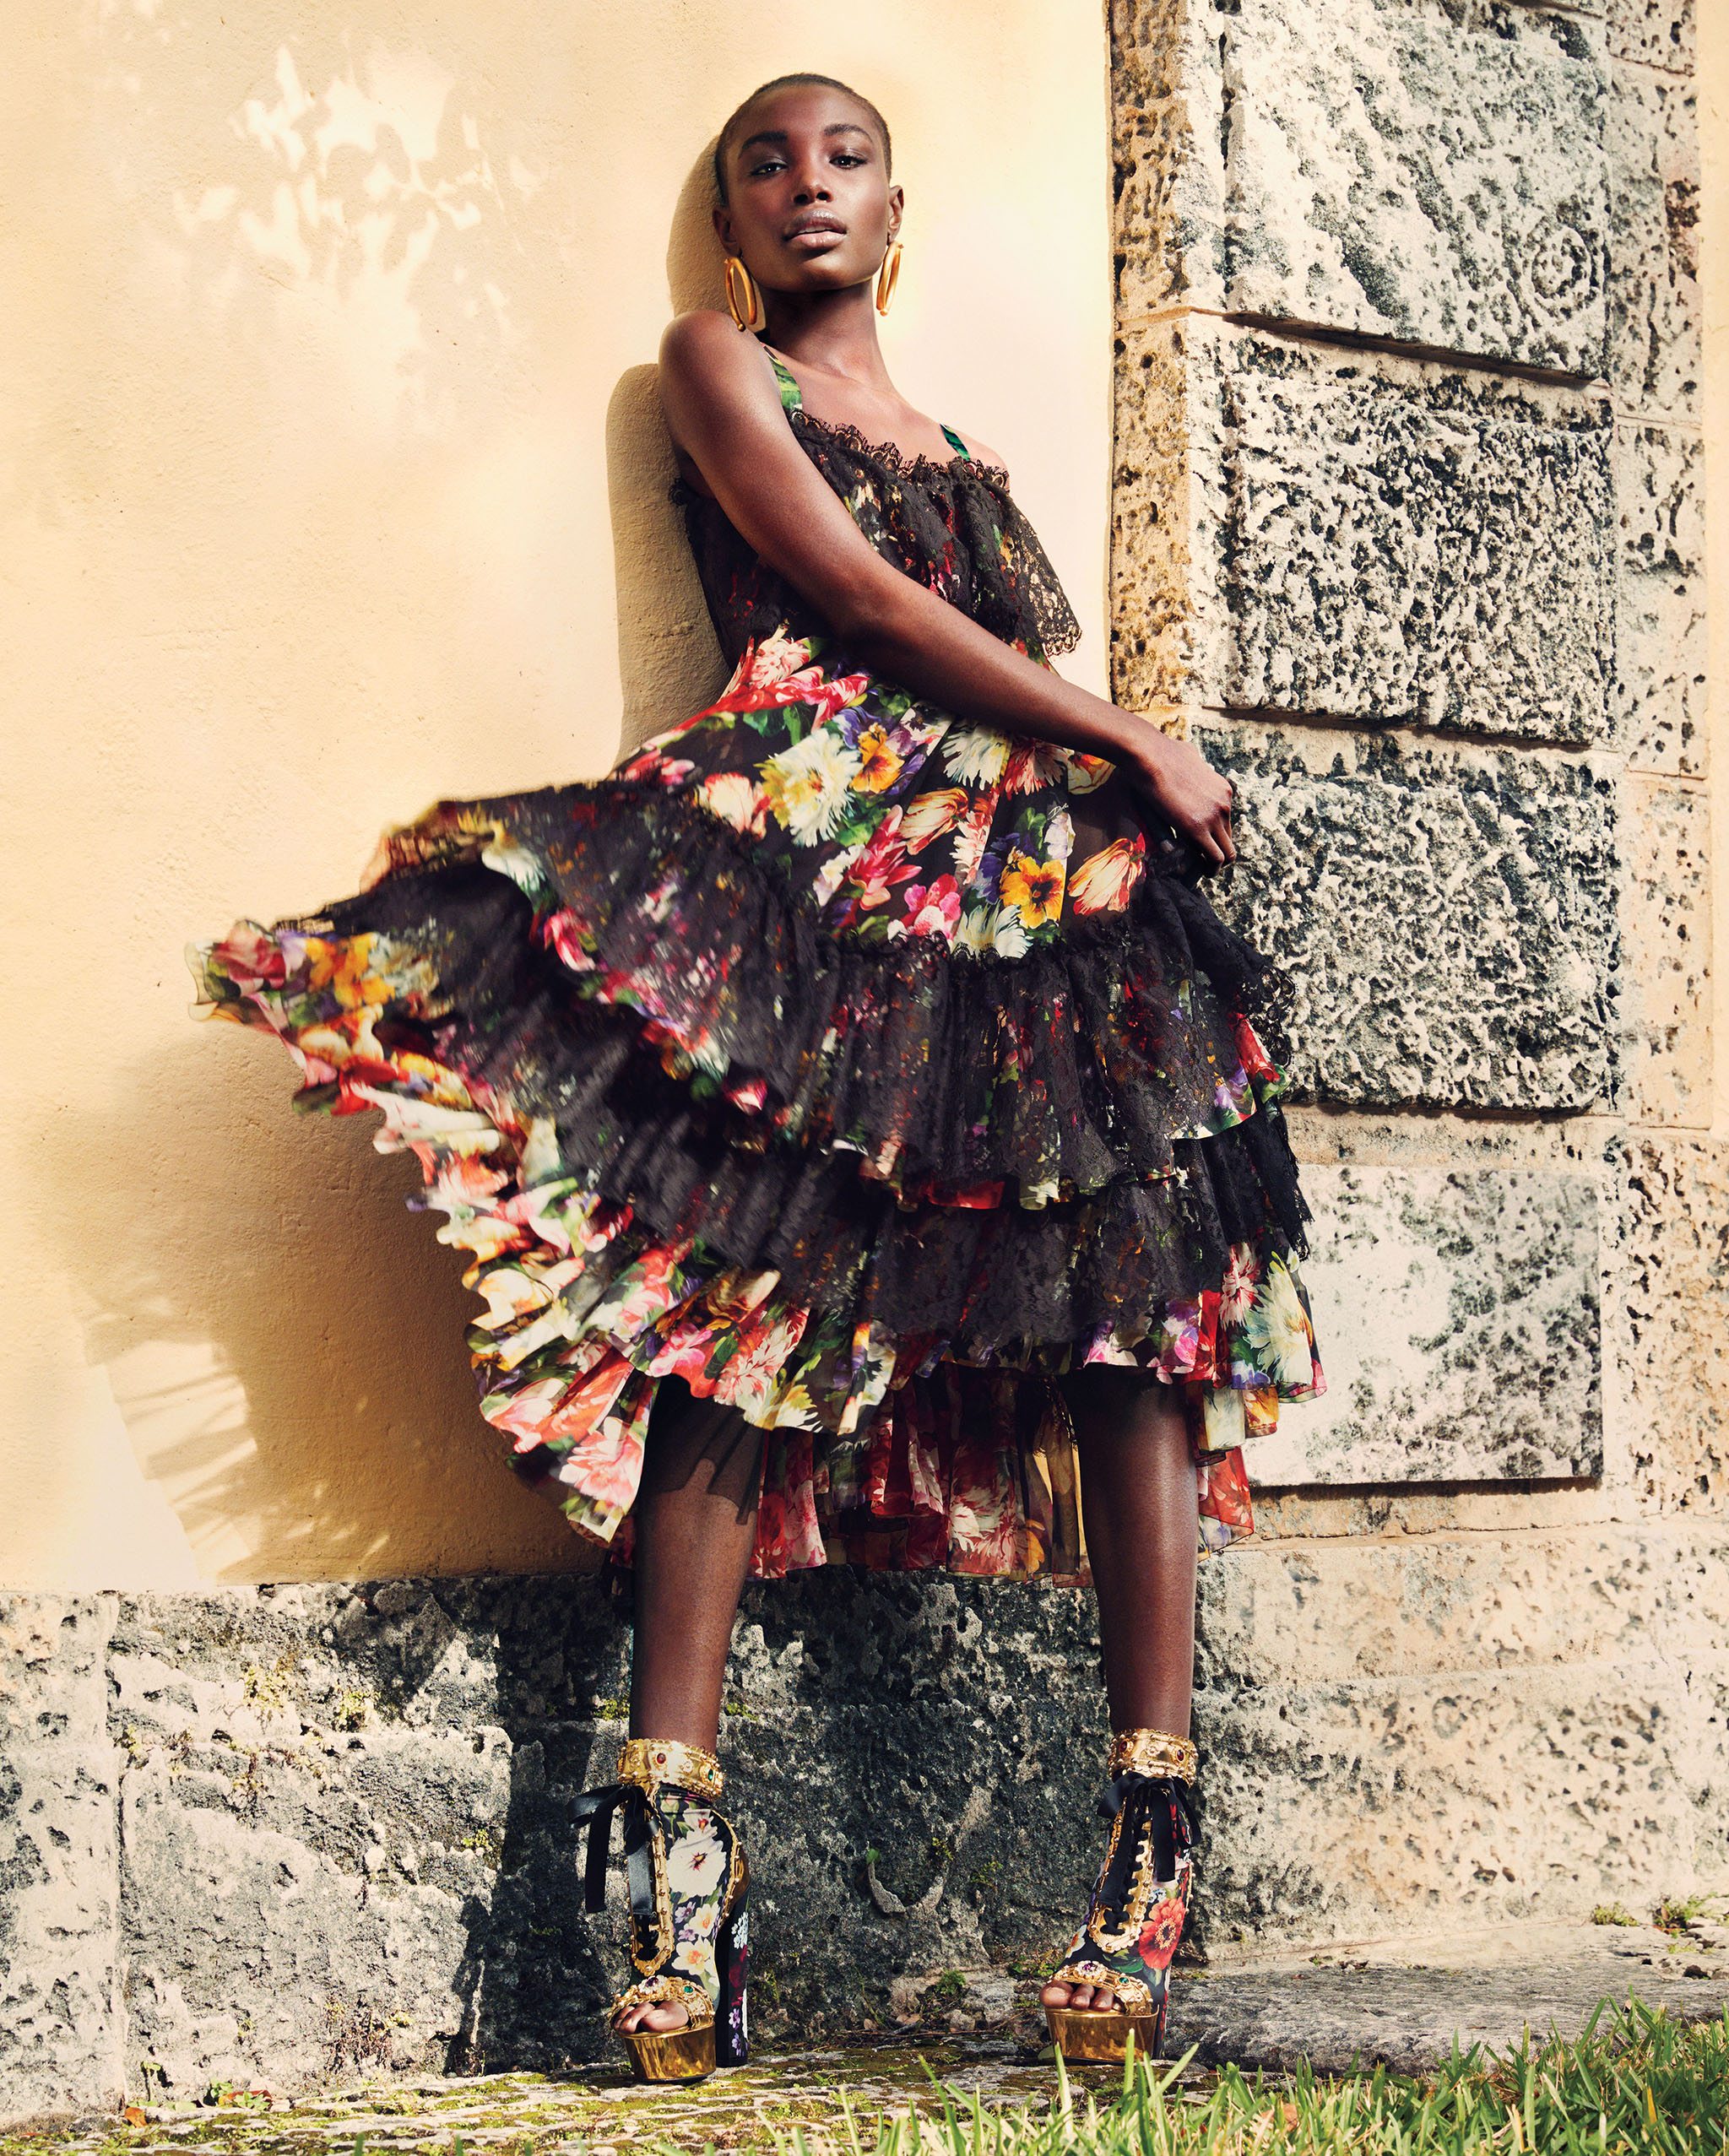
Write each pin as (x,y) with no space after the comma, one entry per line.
(1635,2083)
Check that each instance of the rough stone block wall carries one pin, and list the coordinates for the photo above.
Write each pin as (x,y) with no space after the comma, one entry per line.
(1408,535)
(1407,528)
(291,1833)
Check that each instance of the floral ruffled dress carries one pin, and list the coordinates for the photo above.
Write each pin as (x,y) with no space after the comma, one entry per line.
(862,1068)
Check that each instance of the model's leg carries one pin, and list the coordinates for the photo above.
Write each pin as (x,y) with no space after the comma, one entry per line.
(696,1525)
(1138,1504)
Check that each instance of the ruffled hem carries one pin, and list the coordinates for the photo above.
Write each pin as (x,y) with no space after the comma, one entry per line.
(891,1443)
(955,1078)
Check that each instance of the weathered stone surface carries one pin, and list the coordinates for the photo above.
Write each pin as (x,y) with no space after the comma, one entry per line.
(348,1846)
(1457,1312)
(1372,2012)
(1163,530)
(348,1838)
(1671,1289)
(59,2022)
(1660,32)
(1339,533)
(1429,173)
(1387,173)
(1422,1607)
(52,1649)
(1384,1805)
(1654,294)
(364,1862)
(360,1779)
(1660,630)
(1427,552)
(1446,915)
(1667,929)
(1167,174)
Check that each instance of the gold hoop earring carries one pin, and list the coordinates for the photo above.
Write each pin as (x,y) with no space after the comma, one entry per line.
(888,276)
(744,298)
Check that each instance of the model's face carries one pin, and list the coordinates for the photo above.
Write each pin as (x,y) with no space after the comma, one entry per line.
(811,207)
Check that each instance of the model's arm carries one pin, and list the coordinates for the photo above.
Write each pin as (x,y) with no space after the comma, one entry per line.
(722,405)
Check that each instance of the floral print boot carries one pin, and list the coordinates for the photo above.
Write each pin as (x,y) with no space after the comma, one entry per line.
(689,1885)
(1138,1903)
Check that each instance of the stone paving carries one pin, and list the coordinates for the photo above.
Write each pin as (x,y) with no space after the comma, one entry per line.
(597,2110)
(973,2037)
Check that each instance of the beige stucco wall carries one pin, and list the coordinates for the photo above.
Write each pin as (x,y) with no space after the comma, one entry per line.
(333,486)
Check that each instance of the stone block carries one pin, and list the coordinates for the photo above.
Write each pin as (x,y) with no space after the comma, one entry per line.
(1667,935)
(1409,2006)
(1353,1810)
(1660,695)
(1671,1289)
(345,1848)
(61,2043)
(1445,915)
(293,1911)
(1167,174)
(1358,535)
(1654,292)
(1428,170)
(379,1872)
(1419,1608)
(1661,33)
(1166,469)
(1457,1314)
(53,1648)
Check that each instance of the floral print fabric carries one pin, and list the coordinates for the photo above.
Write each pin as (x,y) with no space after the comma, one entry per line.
(862,1069)
(698,1878)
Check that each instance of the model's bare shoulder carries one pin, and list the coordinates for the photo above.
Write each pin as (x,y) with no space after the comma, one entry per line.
(705,348)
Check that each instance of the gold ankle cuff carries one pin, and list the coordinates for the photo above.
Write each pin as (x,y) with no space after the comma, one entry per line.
(649,1761)
(1151,1751)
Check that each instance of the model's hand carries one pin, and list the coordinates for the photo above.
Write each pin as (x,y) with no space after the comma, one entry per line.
(1193,795)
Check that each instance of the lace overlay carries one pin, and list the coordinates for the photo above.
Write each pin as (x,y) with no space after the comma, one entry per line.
(951,523)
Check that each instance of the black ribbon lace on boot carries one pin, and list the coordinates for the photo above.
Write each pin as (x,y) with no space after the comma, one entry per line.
(1158,1805)
(596,1808)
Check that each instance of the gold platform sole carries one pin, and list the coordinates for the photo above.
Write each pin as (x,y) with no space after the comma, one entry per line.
(1093,2034)
(670,2054)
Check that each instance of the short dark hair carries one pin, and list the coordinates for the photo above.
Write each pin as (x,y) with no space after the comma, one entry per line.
(724,140)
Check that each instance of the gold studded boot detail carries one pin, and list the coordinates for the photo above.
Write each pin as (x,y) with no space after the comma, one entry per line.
(689,1885)
(1139,1904)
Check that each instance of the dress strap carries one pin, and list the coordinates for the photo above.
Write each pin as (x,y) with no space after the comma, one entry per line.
(954,439)
(792,397)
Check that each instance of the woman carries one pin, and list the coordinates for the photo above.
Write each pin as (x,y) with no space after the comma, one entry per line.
(849,1101)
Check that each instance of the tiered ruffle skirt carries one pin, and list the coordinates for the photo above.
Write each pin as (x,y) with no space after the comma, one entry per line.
(690,1116)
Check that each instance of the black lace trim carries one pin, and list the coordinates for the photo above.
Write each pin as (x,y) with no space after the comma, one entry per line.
(907,463)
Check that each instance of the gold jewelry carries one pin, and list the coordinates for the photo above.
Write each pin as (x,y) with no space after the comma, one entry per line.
(1152,1752)
(647,1761)
(666,1990)
(888,276)
(744,297)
